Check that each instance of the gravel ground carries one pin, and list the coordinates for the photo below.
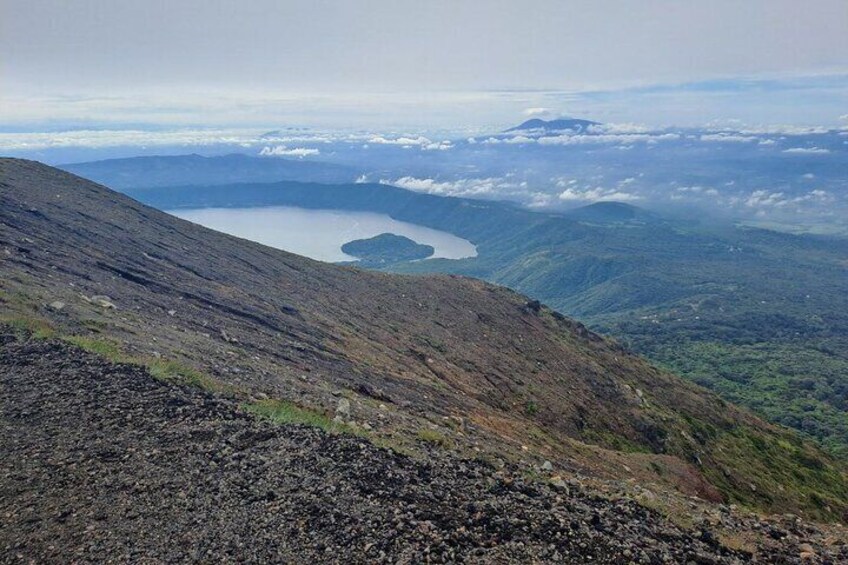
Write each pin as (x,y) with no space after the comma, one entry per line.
(101,462)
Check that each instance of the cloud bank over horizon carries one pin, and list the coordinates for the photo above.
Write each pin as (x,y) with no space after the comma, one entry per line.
(771,174)
(736,103)
(737,108)
(383,45)
(458,64)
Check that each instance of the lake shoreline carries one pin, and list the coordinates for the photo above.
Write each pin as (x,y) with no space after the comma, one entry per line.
(293,229)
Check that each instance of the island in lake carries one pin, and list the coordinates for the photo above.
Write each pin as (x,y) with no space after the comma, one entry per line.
(387,248)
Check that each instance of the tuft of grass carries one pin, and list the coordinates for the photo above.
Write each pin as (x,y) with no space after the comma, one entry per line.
(19,298)
(175,372)
(285,412)
(395,444)
(434,438)
(102,346)
(738,541)
(38,328)
(95,326)
(531,408)
(672,510)
(163,369)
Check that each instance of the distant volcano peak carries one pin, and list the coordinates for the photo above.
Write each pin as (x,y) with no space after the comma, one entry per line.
(560,124)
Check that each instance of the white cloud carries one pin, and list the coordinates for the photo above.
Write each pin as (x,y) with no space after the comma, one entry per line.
(116,138)
(695,190)
(283,151)
(461,187)
(438,146)
(540,200)
(403,140)
(565,182)
(766,199)
(807,151)
(407,141)
(619,128)
(818,195)
(728,138)
(514,140)
(760,198)
(538,112)
(782,130)
(98,139)
(598,139)
(594,137)
(596,194)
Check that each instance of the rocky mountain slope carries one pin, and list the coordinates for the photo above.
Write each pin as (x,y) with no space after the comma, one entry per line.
(101,461)
(755,315)
(415,363)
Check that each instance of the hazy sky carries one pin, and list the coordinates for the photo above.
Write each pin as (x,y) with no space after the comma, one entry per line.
(225,61)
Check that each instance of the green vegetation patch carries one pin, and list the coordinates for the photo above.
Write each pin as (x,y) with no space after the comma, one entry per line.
(387,248)
(434,437)
(162,369)
(38,328)
(285,412)
(780,473)
(175,372)
(799,385)
(105,347)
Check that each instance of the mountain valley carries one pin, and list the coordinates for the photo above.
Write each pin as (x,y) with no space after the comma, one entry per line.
(413,364)
(755,315)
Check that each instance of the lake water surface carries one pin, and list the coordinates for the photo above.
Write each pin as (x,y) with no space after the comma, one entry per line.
(319,234)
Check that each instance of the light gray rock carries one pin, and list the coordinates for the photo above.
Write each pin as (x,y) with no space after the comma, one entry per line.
(343,408)
(102,300)
(560,485)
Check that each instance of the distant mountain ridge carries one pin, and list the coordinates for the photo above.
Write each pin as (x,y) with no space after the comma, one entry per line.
(611,212)
(560,124)
(171,170)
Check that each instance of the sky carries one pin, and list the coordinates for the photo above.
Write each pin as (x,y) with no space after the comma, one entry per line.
(419,64)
